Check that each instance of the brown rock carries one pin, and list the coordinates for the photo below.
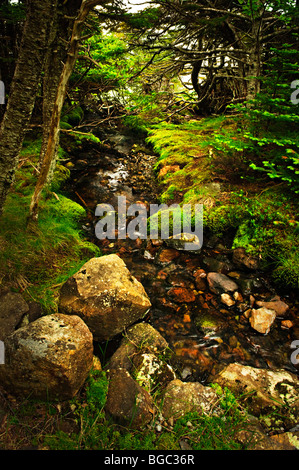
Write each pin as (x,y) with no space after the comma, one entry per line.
(260,389)
(49,358)
(200,284)
(105,295)
(127,402)
(12,308)
(219,283)
(167,255)
(241,259)
(184,397)
(287,324)
(181,294)
(275,304)
(139,337)
(227,300)
(254,437)
(261,319)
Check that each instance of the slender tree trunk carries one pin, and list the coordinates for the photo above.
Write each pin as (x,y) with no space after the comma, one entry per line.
(54,63)
(253,70)
(254,67)
(85,8)
(23,89)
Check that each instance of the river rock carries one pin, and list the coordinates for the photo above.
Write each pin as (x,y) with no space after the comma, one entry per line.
(182,294)
(261,319)
(262,389)
(219,283)
(243,259)
(152,372)
(49,358)
(105,295)
(139,338)
(167,255)
(254,437)
(12,309)
(127,402)
(184,241)
(183,397)
(227,300)
(144,353)
(275,304)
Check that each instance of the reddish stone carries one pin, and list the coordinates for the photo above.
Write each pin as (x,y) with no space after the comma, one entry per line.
(167,255)
(287,324)
(186,318)
(200,273)
(181,294)
(162,275)
(200,283)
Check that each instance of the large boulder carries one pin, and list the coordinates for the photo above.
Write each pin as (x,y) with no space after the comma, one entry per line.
(137,368)
(262,389)
(139,338)
(127,402)
(49,358)
(105,295)
(181,398)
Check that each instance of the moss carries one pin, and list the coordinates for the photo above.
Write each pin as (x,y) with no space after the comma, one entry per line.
(262,219)
(37,258)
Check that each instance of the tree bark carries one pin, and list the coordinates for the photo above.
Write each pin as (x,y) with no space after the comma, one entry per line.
(24,89)
(56,56)
(85,8)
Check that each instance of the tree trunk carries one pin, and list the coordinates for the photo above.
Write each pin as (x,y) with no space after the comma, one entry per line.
(56,57)
(85,8)
(23,89)
(253,70)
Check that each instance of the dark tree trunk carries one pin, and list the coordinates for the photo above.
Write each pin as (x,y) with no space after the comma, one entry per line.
(24,89)
(53,136)
(54,62)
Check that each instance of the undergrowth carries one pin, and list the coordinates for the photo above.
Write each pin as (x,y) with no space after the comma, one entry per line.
(36,259)
(209,161)
(198,431)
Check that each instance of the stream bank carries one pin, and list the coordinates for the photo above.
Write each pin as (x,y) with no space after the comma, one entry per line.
(203,329)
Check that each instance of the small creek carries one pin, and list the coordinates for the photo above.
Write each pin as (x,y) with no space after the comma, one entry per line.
(203,332)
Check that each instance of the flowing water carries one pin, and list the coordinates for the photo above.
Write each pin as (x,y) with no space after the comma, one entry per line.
(203,332)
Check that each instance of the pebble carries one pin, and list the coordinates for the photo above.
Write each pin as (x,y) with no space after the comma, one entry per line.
(286,324)
(227,300)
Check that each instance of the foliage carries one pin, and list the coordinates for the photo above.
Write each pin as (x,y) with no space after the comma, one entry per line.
(257,215)
(36,259)
(222,46)
(269,124)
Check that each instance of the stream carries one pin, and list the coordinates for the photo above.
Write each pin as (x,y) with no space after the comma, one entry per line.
(204,333)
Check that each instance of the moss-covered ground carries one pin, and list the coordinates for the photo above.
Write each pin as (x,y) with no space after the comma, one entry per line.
(196,165)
